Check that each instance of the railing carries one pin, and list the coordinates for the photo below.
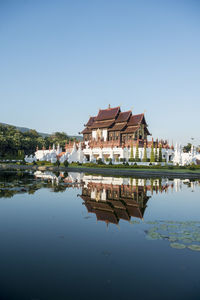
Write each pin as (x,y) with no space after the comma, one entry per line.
(116,143)
(104,144)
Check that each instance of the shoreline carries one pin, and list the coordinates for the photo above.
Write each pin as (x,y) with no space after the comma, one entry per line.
(185,174)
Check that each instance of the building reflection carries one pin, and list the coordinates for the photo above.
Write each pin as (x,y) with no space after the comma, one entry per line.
(112,199)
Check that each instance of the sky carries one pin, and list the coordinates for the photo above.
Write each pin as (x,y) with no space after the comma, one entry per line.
(61,61)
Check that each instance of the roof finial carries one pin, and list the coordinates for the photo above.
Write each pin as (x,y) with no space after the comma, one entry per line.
(109,106)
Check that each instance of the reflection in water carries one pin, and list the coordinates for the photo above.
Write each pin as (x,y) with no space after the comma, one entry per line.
(112,199)
(118,234)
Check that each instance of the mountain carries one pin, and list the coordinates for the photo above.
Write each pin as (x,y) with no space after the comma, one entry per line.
(25,129)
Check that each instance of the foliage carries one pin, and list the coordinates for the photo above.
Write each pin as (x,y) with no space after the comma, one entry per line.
(152,156)
(160,153)
(57,163)
(187,148)
(16,144)
(137,153)
(156,152)
(131,159)
(145,153)
(131,154)
(66,164)
(99,161)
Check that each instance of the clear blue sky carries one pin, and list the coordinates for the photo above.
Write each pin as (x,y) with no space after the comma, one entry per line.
(60,61)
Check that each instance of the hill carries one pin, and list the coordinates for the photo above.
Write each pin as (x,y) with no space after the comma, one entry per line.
(26,129)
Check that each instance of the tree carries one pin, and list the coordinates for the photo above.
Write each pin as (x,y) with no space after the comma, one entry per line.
(137,153)
(156,152)
(131,154)
(66,164)
(152,157)
(160,153)
(187,148)
(145,153)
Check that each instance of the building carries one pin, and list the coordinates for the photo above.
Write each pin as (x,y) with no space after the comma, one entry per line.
(112,125)
(117,135)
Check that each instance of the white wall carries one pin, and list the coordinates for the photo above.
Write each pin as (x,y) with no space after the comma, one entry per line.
(105,134)
(94,134)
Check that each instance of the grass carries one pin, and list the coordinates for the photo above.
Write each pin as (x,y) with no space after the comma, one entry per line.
(154,168)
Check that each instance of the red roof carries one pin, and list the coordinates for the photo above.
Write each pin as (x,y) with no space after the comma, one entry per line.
(118,127)
(90,121)
(107,114)
(106,216)
(123,116)
(104,124)
(131,129)
(86,130)
(135,119)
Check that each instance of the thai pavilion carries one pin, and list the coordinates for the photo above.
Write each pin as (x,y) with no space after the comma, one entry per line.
(112,134)
(116,127)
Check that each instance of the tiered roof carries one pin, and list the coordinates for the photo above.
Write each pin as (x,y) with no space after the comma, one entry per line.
(115,120)
(112,210)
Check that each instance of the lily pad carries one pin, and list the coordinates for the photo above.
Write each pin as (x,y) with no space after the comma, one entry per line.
(194,247)
(151,222)
(172,239)
(187,240)
(177,246)
(154,235)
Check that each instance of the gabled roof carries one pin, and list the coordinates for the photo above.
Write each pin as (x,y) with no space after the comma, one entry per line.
(104,124)
(90,121)
(123,116)
(131,129)
(86,131)
(136,120)
(106,216)
(107,114)
(117,127)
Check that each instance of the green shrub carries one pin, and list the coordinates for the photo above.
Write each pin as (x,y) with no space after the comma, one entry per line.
(152,156)
(131,160)
(99,161)
(57,163)
(192,167)
(66,164)
(170,167)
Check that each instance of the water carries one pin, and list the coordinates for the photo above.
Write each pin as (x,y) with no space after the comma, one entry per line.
(78,236)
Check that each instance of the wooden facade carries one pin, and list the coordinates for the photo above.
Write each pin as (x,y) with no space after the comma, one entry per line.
(113,125)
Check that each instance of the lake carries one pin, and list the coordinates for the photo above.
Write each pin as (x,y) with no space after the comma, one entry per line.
(82,236)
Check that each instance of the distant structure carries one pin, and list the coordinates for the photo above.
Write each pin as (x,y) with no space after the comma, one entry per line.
(117,137)
(181,158)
